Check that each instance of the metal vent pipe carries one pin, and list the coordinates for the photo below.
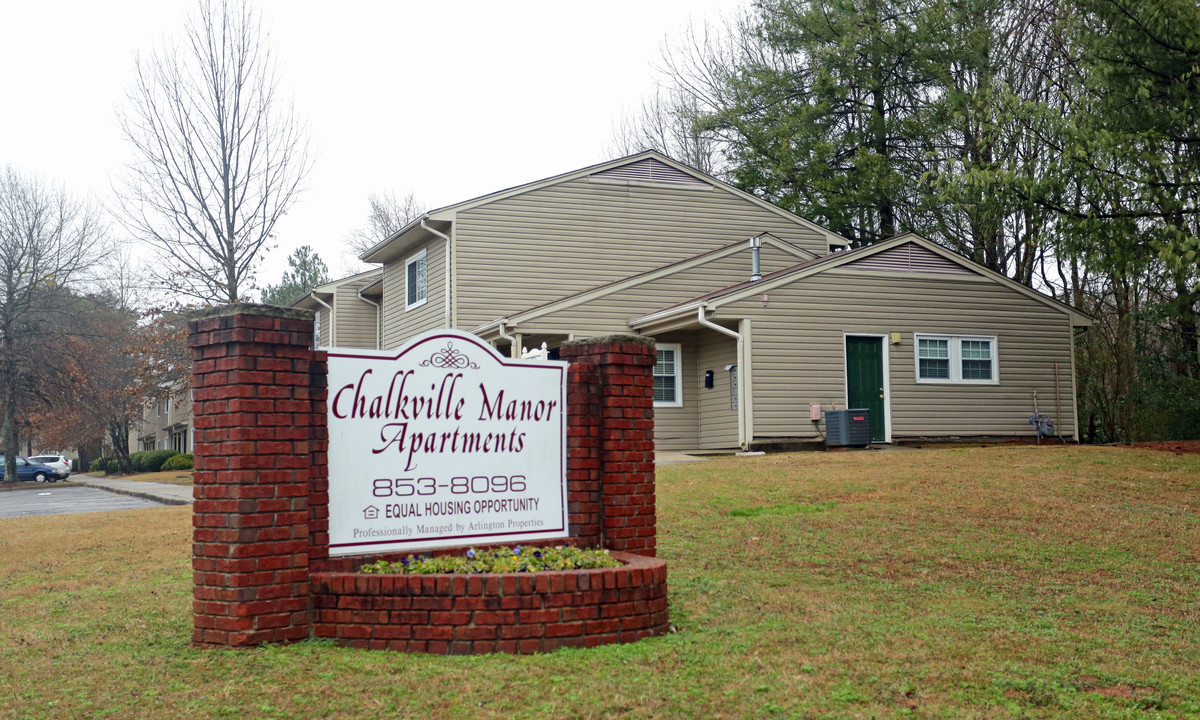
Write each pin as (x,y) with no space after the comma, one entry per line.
(755,249)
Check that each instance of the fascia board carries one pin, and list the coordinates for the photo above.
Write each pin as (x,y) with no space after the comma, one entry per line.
(787,247)
(665,271)
(669,324)
(448,212)
(1078,319)
(624,284)
(787,214)
(763,285)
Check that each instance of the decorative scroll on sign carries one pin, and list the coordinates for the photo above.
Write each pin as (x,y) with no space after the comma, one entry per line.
(444,442)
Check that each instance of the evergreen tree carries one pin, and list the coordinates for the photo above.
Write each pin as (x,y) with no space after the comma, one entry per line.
(307,271)
(823,111)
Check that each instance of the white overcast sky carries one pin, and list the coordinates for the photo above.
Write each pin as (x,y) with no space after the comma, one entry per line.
(448,100)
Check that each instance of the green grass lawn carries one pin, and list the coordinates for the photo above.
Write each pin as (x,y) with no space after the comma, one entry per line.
(996,582)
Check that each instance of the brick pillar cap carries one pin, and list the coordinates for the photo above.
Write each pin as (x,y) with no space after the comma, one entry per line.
(252,309)
(611,339)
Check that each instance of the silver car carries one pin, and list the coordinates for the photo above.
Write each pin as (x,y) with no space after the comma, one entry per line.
(59,464)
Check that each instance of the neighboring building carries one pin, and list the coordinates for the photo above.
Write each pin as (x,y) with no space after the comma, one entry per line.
(935,345)
(166,425)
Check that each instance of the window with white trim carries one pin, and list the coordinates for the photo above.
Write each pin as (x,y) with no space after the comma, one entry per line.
(667,371)
(416,284)
(956,359)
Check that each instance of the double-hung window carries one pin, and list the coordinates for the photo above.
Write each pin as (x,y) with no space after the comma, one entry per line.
(416,285)
(957,359)
(667,372)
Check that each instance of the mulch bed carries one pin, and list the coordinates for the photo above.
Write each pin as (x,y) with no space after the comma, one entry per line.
(1179,447)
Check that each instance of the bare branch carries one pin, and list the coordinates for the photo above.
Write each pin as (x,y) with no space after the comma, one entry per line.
(219,158)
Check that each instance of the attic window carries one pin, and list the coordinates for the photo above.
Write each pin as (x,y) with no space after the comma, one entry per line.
(649,171)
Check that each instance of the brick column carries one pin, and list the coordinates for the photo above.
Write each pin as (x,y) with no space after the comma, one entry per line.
(254,414)
(610,442)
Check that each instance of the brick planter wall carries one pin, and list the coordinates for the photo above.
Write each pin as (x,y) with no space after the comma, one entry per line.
(511,612)
(262,571)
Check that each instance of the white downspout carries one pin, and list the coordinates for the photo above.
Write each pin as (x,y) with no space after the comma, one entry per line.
(378,319)
(514,351)
(332,338)
(743,441)
(446,284)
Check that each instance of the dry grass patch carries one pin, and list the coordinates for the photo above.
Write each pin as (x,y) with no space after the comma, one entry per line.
(959,582)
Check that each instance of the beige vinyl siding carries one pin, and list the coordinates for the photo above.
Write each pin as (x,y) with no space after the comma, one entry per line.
(799,354)
(718,421)
(399,324)
(356,323)
(677,428)
(529,249)
(611,313)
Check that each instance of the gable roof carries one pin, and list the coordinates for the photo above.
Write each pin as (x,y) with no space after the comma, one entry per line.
(331,287)
(599,291)
(743,290)
(645,168)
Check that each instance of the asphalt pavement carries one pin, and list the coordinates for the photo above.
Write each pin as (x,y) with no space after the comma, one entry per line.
(54,499)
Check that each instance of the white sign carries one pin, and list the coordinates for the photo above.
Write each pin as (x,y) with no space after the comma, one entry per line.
(443,443)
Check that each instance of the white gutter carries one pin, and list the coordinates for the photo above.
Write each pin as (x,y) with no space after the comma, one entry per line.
(446,285)
(378,319)
(332,339)
(743,391)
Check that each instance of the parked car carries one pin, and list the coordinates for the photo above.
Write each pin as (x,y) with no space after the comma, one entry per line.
(31,471)
(58,463)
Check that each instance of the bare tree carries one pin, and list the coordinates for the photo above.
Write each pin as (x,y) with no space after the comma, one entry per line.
(219,155)
(47,241)
(388,214)
(668,122)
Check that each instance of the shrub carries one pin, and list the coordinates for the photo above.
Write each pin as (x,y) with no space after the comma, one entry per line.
(182,461)
(98,464)
(500,560)
(150,460)
(113,467)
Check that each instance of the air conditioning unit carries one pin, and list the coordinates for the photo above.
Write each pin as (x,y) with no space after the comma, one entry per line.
(848,427)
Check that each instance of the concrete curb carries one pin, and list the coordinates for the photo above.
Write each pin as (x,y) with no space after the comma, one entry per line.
(140,494)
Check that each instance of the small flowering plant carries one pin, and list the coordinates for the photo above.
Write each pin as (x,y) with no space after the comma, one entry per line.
(499,560)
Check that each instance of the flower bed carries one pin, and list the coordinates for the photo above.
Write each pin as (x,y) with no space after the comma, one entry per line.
(502,612)
(497,560)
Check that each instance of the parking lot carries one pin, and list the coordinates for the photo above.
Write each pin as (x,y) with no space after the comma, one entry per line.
(51,500)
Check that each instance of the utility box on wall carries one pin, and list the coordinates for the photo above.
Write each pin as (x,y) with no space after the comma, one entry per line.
(848,427)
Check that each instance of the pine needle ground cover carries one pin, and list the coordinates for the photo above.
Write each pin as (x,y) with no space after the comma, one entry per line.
(998,582)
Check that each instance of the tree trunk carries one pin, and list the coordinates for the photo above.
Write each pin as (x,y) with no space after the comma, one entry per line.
(118,433)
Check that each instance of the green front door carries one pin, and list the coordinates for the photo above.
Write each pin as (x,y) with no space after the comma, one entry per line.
(864,380)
